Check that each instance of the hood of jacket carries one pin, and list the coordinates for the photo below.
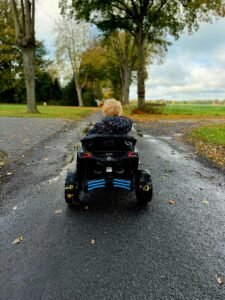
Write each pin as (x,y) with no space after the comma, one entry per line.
(112,125)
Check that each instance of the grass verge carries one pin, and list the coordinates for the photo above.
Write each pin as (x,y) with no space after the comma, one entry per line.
(3,157)
(209,141)
(56,112)
(195,109)
(178,111)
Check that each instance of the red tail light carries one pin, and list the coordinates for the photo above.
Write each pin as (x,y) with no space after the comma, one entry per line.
(131,154)
(86,155)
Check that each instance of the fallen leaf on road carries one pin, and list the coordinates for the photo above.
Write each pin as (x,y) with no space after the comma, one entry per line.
(1,163)
(172,202)
(169,171)
(220,279)
(46,158)
(206,202)
(9,173)
(93,242)
(165,176)
(18,240)
(58,211)
(86,207)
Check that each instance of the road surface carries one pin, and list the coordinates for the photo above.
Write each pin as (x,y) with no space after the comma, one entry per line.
(111,249)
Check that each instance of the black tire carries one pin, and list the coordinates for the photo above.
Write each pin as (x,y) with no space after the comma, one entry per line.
(144,189)
(72,192)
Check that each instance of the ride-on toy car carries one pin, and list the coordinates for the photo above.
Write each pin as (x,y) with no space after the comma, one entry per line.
(108,162)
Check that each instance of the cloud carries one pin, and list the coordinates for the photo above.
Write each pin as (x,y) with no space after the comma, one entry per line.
(194,67)
(47,13)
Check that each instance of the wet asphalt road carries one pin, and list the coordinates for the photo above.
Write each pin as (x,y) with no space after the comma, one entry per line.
(165,251)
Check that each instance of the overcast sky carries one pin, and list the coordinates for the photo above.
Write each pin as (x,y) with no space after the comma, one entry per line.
(194,66)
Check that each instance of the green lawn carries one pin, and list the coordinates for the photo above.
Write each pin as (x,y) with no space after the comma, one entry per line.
(195,109)
(61,112)
(212,134)
(206,110)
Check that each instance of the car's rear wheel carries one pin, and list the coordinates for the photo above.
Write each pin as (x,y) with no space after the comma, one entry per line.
(72,193)
(144,189)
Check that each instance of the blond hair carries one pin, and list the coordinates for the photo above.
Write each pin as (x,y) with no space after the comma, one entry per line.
(112,108)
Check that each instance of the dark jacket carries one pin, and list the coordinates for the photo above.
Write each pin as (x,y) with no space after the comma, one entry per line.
(112,125)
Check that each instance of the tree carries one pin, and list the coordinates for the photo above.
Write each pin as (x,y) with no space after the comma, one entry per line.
(122,48)
(94,63)
(24,19)
(10,62)
(71,42)
(69,94)
(147,20)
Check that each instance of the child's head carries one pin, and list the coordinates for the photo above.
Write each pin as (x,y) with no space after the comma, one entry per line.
(112,108)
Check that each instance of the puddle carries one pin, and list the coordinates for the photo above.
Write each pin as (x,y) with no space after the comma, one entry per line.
(54,179)
(147,136)
(63,172)
(165,137)
(152,140)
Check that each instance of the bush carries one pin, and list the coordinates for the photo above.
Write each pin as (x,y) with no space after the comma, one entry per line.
(88,99)
(150,108)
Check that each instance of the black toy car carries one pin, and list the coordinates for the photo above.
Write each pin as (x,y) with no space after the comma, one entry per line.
(108,162)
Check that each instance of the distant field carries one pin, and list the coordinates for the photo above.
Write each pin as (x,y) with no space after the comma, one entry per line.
(60,112)
(76,113)
(195,109)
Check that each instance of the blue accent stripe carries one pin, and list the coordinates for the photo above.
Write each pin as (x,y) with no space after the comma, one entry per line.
(96,181)
(122,187)
(123,183)
(95,187)
(96,184)
(122,180)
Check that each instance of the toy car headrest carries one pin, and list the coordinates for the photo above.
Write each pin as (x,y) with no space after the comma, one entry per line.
(113,142)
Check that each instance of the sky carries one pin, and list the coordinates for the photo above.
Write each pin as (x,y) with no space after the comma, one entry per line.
(193,68)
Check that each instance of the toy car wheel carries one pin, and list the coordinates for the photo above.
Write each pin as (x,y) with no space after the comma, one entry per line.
(72,192)
(143,187)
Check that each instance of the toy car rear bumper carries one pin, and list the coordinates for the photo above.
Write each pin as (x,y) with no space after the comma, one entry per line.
(112,183)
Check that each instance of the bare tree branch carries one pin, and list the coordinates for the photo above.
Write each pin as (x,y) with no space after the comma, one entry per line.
(27,20)
(33,17)
(85,80)
(23,14)
(17,22)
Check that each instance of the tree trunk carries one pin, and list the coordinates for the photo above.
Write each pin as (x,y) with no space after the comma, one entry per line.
(79,91)
(126,84)
(141,70)
(29,73)
(79,94)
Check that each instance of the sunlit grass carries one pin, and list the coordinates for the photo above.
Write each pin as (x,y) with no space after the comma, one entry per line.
(195,109)
(176,111)
(213,134)
(58,112)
